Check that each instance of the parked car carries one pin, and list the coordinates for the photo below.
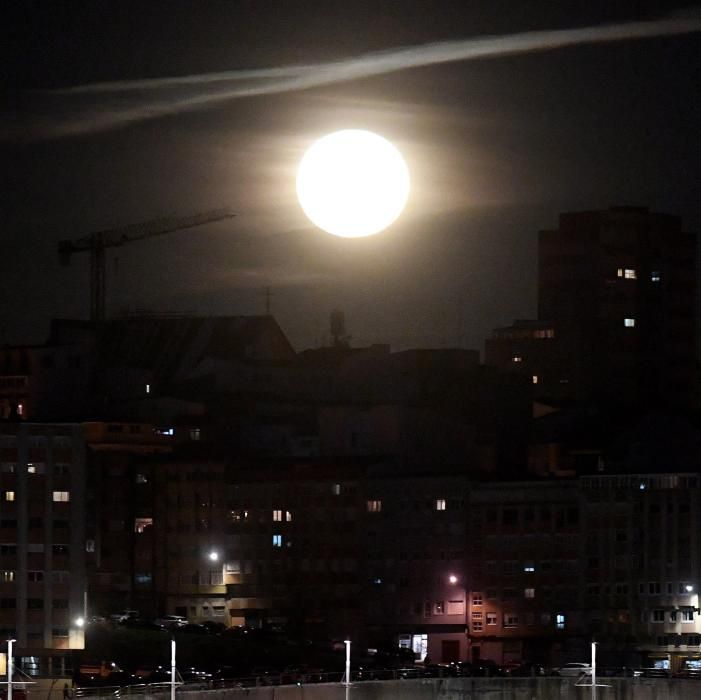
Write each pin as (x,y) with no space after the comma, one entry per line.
(123,615)
(214,627)
(191,674)
(171,621)
(656,673)
(527,669)
(136,623)
(189,628)
(574,670)
(690,673)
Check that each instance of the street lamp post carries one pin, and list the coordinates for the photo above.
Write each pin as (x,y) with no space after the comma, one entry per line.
(172,669)
(453,580)
(10,669)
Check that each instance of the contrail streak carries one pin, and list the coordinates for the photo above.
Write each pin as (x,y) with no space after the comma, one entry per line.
(212,88)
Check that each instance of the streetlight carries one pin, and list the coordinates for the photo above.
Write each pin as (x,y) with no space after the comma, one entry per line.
(214,555)
(172,668)
(453,579)
(79,621)
(10,670)
(689,588)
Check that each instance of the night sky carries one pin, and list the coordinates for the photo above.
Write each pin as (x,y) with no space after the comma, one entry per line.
(496,147)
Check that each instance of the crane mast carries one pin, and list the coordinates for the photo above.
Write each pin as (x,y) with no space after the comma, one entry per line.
(97,242)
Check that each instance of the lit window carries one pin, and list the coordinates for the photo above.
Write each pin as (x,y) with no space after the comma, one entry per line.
(439,607)
(457,607)
(277,516)
(629,322)
(560,621)
(89,545)
(20,409)
(164,431)
(277,540)
(141,524)
(195,434)
(374,506)
(491,618)
(629,274)
(440,504)
(9,495)
(336,489)
(655,276)
(61,496)
(477,599)
(141,479)
(517,358)
(529,592)
(535,378)
(619,272)
(288,516)
(148,388)
(529,567)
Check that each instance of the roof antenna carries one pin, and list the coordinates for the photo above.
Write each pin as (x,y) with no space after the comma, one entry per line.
(268,295)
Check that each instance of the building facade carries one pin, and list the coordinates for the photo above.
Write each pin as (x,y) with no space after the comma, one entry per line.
(43,542)
(616,312)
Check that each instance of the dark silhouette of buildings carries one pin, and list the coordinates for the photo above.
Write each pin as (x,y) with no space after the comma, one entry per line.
(616,313)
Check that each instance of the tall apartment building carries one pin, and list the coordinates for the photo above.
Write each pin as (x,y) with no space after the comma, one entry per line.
(617,289)
(42,542)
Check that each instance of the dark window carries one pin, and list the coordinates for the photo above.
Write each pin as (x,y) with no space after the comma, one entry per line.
(60,604)
(509,517)
(8,603)
(35,603)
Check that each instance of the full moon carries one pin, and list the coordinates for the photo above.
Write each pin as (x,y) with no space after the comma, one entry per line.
(352,183)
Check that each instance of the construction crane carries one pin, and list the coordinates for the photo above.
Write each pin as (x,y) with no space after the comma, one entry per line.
(96,244)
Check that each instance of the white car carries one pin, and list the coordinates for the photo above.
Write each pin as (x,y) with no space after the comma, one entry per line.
(574,670)
(171,621)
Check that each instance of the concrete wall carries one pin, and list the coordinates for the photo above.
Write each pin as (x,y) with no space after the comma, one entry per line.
(457,689)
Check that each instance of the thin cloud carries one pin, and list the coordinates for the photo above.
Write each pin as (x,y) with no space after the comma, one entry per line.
(204,90)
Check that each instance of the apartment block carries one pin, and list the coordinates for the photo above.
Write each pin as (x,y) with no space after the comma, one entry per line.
(43,593)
